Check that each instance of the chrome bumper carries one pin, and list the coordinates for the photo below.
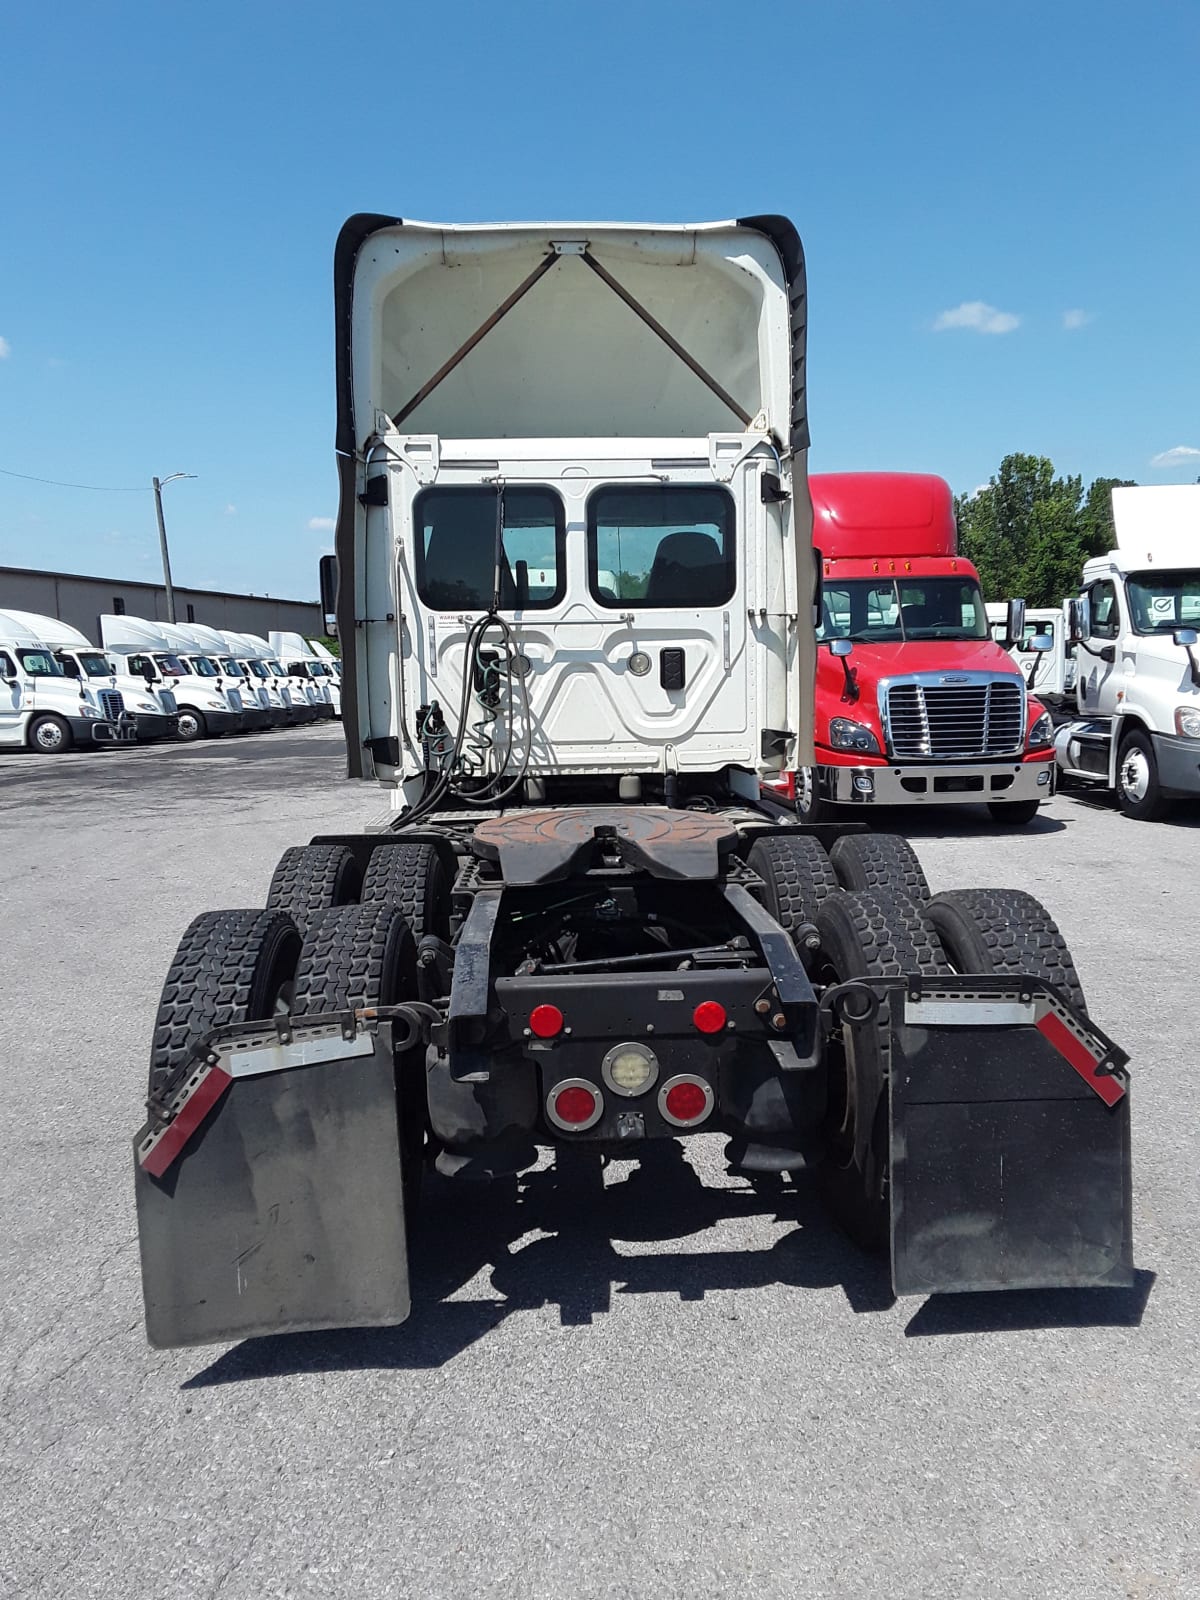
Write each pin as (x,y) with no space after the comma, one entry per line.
(938,784)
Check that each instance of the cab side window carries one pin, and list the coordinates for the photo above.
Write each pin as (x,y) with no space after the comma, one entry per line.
(137,666)
(1105,616)
(7,665)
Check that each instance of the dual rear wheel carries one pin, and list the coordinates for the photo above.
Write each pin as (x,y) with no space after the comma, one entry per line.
(877,919)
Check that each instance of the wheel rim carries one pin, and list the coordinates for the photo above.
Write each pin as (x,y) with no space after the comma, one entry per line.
(48,736)
(1135,774)
(805,789)
(188,726)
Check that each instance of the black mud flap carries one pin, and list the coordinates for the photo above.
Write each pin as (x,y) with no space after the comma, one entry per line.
(1010,1140)
(269,1198)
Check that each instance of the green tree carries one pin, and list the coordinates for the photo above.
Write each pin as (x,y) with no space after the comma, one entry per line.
(1029,532)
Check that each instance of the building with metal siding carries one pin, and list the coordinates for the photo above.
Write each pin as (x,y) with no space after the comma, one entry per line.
(81,601)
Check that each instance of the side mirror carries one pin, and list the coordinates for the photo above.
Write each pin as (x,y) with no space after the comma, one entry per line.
(1040,641)
(148,671)
(841,647)
(1014,623)
(329,593)
(1186,637)
(1079,619)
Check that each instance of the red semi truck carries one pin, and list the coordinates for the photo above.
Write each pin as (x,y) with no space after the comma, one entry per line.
(916,704)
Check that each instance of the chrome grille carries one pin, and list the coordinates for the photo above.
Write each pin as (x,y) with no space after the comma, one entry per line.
(952,721)
(112,703)
(167,701)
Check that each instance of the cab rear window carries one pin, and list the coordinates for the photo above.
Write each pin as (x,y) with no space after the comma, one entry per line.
(661,545)
(456,548)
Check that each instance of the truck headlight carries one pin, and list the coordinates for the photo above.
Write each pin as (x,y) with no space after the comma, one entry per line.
(1187,721)
(89,711)
(1042,732)
(847,735)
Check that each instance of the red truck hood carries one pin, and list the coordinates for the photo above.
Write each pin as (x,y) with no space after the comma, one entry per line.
(875,661)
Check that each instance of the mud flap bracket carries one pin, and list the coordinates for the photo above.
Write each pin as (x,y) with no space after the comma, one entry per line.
(1010,1139)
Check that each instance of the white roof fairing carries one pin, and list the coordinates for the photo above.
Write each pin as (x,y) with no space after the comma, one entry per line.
(570,358)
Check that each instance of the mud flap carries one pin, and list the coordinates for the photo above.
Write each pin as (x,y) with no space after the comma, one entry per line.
(1010,1140)
(270,1198)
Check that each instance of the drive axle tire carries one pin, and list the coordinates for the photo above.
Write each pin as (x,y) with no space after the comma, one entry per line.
(230,967)
(412,878)
(882,861)
(50,736)
(365,955)
(312,878)
(1139,793)
(796,874)
(1004,932)
(867,934)
(1016,813)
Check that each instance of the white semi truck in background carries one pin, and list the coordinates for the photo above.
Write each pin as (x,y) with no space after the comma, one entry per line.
(43,708)
(1136,629)
(151,706)
(310,669)
(142,648)
(578,627)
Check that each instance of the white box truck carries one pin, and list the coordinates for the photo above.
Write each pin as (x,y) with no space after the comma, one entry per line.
(1136,626)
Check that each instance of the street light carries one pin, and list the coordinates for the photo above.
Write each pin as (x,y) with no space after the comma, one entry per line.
(162,537)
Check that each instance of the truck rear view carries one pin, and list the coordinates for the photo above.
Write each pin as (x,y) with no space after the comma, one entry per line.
(575,615)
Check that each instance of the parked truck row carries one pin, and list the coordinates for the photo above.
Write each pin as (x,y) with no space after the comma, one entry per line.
(150,680)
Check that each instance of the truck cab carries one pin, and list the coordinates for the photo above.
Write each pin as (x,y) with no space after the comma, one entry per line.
(916,703)
(1136,627)
(44,708)
(308,672)
(1044,654)
(149,650)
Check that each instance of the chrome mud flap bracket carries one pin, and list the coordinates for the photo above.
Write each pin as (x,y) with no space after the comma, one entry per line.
(269,1185)
(1010,1139)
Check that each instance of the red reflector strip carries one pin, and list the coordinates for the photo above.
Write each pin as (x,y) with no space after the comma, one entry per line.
(163,1153)
(1073,1050)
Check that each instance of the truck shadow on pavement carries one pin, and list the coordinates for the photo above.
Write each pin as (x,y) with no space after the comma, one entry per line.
(549,1239)
(956,822)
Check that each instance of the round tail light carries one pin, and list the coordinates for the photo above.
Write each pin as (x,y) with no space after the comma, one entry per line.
(709,1016)
(546,1022)
(574,1105)
(685,1101)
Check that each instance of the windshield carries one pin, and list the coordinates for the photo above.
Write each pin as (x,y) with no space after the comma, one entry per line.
(172,664)
(94,664)
(319,669)
(276,670)
(1160,602)
(893,609)
(298,669)
(204,668)
(257,668)
(230,666)
(40,664)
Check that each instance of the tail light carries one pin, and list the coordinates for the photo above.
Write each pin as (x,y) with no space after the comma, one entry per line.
(574,1105)
(685,1101)
(546,1022)
(709,1016)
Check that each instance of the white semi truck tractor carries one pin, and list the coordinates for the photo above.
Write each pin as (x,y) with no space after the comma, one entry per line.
(576,614)
(1136,631)
(308,669)
(150,709)
(144,649)
(44,708)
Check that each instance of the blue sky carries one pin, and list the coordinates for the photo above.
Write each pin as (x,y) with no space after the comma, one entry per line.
(172,180)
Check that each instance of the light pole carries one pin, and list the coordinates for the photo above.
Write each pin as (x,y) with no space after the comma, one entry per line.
(162,538)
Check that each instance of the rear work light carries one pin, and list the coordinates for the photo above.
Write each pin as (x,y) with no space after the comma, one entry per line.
(685,1101)
(574,1105)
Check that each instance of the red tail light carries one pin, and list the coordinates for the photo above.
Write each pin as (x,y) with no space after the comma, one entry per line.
(546,1022)
(685,1101)
(709,1016)
(574,1105)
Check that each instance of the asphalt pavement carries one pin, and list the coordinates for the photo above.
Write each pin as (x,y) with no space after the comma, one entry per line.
(681,1385)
